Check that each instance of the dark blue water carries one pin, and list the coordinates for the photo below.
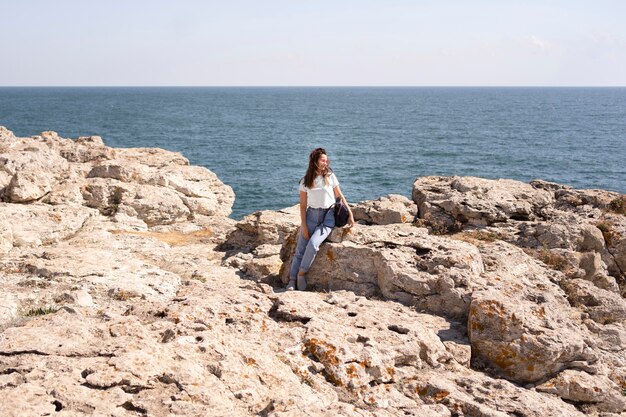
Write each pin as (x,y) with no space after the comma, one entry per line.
(379,139)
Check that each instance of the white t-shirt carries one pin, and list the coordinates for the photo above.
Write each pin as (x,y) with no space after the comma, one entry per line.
(321,195)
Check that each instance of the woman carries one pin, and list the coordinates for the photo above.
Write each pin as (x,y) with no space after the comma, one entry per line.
(318,190)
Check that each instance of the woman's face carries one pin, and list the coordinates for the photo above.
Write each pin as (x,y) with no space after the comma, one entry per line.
(322,162)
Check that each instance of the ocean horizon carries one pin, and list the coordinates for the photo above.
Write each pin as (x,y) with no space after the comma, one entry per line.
(379,139)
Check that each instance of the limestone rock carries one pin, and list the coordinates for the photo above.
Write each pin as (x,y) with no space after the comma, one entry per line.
(576,199)
(581,387)
(37,224)
(153,157)
(264,227)
(524,340)
(596,271)
(260,268)
(266,249)
(442,201)
(5,134)
(602,306)
(150,204)
(31,398)
(474,395)
(6,234)
(9,306)
(390,209)
(34,168)
(132,307)
(86,149)
(60,171)
(400,262)
(542,216)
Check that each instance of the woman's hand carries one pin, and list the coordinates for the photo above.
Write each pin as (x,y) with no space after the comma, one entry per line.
(305,232)
(350,220)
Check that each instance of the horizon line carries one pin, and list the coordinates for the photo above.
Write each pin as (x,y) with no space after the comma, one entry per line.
(312,86)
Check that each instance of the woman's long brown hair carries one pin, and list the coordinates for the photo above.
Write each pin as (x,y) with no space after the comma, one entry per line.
(310,175)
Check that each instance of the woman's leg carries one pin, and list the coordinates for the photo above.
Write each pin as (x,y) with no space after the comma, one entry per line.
(297,258)
(318,236)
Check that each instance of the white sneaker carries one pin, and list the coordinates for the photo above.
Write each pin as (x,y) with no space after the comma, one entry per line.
(292,285)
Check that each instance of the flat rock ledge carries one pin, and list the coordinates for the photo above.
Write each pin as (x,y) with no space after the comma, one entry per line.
(127,291)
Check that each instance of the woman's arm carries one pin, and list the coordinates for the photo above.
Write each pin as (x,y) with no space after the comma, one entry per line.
(338,193)
(303,203)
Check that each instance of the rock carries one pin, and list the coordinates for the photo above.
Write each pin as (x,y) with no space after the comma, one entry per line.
(382,260)
(446,203)
(153,205)
(570,198)
(34,169)
(9,306)
(83,298)
(6,135)
(540,215)
(474,395)
(264,227)
(265,250)
(602,306)
(201,185)
(65,192)
(613,229)
(596,271)
(198,187)
(38,224)
(30,398)
(6,234)
(106,264)
(28,186)
(146,314)
(152,157)
(86,149)
(390,209)
(611,337)
(63,171)
(261,268)
(520,322)
(581,387)
(521,338)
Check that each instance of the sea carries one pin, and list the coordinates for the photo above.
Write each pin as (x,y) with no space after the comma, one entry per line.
(379,139)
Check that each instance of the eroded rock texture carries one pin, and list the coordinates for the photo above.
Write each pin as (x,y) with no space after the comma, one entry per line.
(127,291)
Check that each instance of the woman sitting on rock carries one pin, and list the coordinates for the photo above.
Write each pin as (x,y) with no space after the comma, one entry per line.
(318,190)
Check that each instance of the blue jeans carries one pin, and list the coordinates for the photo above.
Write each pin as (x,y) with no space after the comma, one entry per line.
(320,223)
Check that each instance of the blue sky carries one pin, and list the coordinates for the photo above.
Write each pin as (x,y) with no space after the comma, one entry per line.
(291,42)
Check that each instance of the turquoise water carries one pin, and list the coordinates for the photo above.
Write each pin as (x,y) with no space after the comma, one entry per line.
(379,139)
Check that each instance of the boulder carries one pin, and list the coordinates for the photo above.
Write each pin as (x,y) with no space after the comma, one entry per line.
(389,209)
(448,203)
(265,227)
(153,205)
(524,335)
(200,190)
(399,262)
(34,169)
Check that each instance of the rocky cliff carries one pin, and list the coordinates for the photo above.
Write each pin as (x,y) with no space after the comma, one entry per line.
(127,291)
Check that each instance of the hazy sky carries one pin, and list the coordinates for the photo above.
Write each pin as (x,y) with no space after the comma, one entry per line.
(315,42)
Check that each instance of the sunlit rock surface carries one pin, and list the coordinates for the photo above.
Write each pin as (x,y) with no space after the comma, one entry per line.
(127,291)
